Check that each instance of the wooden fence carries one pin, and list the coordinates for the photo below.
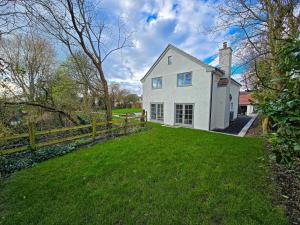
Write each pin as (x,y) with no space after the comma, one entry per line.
(124,123)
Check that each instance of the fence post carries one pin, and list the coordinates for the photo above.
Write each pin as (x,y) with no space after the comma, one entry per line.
(125,125)
(31,131)
(109,126)
(94,128)
(143,118)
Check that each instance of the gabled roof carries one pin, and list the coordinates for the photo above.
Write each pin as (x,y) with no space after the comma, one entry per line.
(194,59)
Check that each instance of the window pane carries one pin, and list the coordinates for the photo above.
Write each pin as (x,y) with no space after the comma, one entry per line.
(153,112)
(179,113)
(188,114)
(153,83)
(188,79)
(160,112)
(184,79)
(157,112)
(169,60)
(180,80)
(184,114)
(156,82)
(159,82)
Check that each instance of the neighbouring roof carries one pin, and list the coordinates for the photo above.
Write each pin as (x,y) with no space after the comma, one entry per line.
(170,46)
(245,98)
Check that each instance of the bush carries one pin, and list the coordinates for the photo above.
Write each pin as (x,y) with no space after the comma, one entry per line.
(13,162)
(284,108)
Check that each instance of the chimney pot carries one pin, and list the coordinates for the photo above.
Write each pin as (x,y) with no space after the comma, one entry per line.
(224,44)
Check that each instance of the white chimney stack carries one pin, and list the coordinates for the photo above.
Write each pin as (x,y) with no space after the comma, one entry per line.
(225,58)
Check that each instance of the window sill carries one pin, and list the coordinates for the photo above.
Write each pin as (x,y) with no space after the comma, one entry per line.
(157,121)
(185,85)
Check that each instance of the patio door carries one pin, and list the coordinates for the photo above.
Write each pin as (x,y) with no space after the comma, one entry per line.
(184,114)
(157,111)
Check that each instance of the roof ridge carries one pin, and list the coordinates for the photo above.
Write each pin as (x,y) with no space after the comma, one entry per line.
(208,67)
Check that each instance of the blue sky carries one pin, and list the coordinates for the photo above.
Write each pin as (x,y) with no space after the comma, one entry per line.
(156,23)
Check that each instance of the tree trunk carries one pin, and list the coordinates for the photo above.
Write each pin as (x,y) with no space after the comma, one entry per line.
(107,102)
(265,125)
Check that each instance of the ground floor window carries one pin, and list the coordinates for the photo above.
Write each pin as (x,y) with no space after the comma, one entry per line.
(157,111)
(184,114)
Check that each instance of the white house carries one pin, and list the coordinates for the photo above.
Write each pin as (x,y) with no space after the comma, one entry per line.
(179,89)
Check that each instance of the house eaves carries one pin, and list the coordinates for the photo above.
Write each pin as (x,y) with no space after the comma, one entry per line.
(235,82)
(194,59)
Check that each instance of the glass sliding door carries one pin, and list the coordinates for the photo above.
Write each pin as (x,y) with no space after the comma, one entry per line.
(157,111)
(184,114)
(179,113)
(153,112)
(188,114)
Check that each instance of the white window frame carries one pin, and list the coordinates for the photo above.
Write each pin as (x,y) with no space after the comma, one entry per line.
(184,79)
(157,112)
(183,114)
(156,78)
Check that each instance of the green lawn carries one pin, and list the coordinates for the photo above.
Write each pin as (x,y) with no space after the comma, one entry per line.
(127,110)
(161,176)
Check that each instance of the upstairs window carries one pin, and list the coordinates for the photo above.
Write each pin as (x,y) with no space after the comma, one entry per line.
(184,79)
(156,83)
(169,60)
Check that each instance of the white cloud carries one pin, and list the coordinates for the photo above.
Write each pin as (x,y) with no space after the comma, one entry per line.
(181,22)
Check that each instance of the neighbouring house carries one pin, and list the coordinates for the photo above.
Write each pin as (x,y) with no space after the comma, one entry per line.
(138,104)
(245,103)
(179,89)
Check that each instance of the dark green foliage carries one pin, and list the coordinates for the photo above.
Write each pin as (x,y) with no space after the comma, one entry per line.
(17,161)
(284,107)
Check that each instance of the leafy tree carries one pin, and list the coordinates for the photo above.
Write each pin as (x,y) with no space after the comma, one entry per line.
(82,71)
(64,91)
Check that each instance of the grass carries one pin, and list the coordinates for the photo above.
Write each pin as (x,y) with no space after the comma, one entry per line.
(161,176)
(127,110)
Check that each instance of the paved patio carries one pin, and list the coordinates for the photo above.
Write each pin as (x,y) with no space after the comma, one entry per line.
(236,126)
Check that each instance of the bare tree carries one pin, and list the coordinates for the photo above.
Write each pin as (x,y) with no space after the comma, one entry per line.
(29,63)
(262,27)
(11,14)
(76,23)
(29,60)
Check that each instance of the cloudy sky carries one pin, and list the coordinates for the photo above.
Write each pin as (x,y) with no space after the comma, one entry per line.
(156,23)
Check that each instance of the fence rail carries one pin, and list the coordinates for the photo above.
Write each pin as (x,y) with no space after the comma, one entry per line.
(32,134)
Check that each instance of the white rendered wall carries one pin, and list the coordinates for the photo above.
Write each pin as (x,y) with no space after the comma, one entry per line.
(234,91)
(197,94)
(250,109)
